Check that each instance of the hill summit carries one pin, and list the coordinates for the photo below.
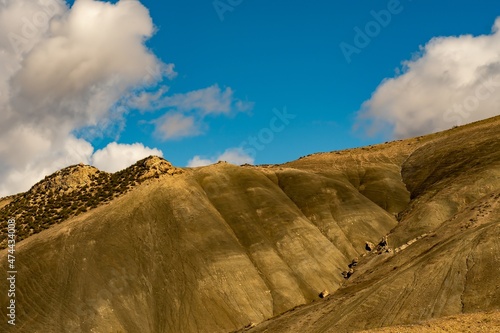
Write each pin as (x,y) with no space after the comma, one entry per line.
(74,190)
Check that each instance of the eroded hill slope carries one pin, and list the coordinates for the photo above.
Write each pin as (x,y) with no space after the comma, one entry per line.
(444,252)
(213,249)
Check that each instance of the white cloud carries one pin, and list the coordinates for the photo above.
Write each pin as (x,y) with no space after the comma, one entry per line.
(211,100)
(115,157)
(198,161)
(147,100)
(207,101)
(190,109)
(62,70)
(176,125)
(80,70)
(24,169)
(455,80)
(232,155)
(168,70)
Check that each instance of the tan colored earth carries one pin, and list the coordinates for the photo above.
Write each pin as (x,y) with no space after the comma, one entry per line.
(222,247)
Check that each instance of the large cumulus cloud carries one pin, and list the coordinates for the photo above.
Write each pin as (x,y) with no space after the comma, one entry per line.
(453,81)
(71,74)
(63,69)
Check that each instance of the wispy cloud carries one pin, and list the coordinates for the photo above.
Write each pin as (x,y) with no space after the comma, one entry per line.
(176,125)
(232,155)
(211,100)
(147,100)
(186,112)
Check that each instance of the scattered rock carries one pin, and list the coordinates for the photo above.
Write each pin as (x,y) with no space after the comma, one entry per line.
(354,263)
(383,245)
(369,246)
(411,241)
(67,179)
(324,294)
(251,325)
(155,166)
(347,274)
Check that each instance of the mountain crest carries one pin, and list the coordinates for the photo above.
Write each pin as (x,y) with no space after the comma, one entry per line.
(74,190)
(67,179)
(154,166)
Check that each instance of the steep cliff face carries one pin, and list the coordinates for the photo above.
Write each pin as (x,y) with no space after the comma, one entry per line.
(214,249)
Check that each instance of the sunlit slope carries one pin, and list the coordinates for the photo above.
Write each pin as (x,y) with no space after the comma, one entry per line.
(210,250)
(447,175)
(214,249)
(488,322)
(445,249)
(450,271)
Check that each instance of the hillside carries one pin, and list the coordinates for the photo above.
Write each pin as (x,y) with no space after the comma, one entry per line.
(73,191)
(488,322)
(396,233)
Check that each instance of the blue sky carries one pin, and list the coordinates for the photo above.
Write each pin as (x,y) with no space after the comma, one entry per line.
(286,54)
(108,83)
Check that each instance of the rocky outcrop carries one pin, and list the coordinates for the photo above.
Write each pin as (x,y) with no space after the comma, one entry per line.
(155,166)
(67,179)
(73,191)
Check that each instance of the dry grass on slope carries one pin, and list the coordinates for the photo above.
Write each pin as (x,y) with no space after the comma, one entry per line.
(72,191)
